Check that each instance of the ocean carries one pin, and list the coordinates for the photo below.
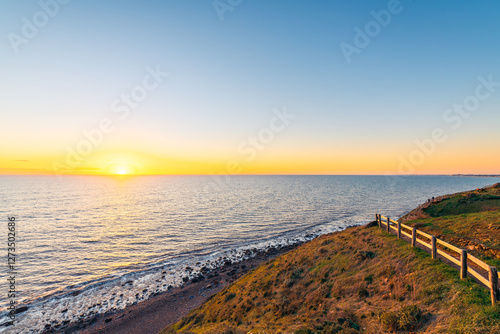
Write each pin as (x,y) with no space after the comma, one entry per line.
(89,244)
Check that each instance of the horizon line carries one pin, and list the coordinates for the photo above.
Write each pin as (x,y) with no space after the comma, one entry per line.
(263,174)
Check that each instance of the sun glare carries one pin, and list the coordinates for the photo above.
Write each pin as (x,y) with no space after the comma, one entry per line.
(121,170)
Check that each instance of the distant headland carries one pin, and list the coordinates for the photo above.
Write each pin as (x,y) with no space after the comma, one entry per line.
(477,175)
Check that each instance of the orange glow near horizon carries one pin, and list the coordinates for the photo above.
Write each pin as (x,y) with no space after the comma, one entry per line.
(123,163)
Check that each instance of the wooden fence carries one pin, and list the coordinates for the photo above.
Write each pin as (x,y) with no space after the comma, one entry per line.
(469,264)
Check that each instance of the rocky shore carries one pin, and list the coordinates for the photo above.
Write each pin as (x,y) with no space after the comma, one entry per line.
(158,312)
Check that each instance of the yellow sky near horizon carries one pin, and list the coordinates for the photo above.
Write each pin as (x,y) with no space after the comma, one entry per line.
(181,92)
(268,161)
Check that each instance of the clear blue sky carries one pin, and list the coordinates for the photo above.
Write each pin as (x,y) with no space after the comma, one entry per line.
(226,76)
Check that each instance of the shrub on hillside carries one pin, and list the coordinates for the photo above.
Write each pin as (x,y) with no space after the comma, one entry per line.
(408,318)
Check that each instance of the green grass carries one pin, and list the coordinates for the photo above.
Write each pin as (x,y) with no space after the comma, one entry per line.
(342,283)
(363,280)
(470,220)
(463,204)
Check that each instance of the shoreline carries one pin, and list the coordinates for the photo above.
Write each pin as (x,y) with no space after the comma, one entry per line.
(476,175)
(162,310)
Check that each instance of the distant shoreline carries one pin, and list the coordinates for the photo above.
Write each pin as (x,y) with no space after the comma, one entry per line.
(477,175)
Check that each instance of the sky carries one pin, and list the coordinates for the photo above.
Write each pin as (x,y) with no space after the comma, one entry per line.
(249,87)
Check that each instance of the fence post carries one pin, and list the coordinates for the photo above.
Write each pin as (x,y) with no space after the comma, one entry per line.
(399,230)
(434,248)
(493,275)
(388,224)
(377,218)
(414,237)
(463,265)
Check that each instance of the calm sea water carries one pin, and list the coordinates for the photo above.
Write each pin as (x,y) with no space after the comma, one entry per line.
(87,245)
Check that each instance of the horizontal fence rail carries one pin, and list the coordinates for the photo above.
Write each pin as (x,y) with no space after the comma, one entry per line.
(468,264)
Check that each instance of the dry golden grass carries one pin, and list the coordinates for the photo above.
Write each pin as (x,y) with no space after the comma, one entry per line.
(361,280)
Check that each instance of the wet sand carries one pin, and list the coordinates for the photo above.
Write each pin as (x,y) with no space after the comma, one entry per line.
(160,311)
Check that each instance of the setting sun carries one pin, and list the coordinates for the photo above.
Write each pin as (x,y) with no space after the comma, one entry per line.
(120,168)
(122,172)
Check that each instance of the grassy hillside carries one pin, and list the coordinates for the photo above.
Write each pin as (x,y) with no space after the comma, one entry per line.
(470,220)
(361,280)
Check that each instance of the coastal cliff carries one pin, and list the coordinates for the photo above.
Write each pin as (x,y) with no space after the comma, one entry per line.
(364,280)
